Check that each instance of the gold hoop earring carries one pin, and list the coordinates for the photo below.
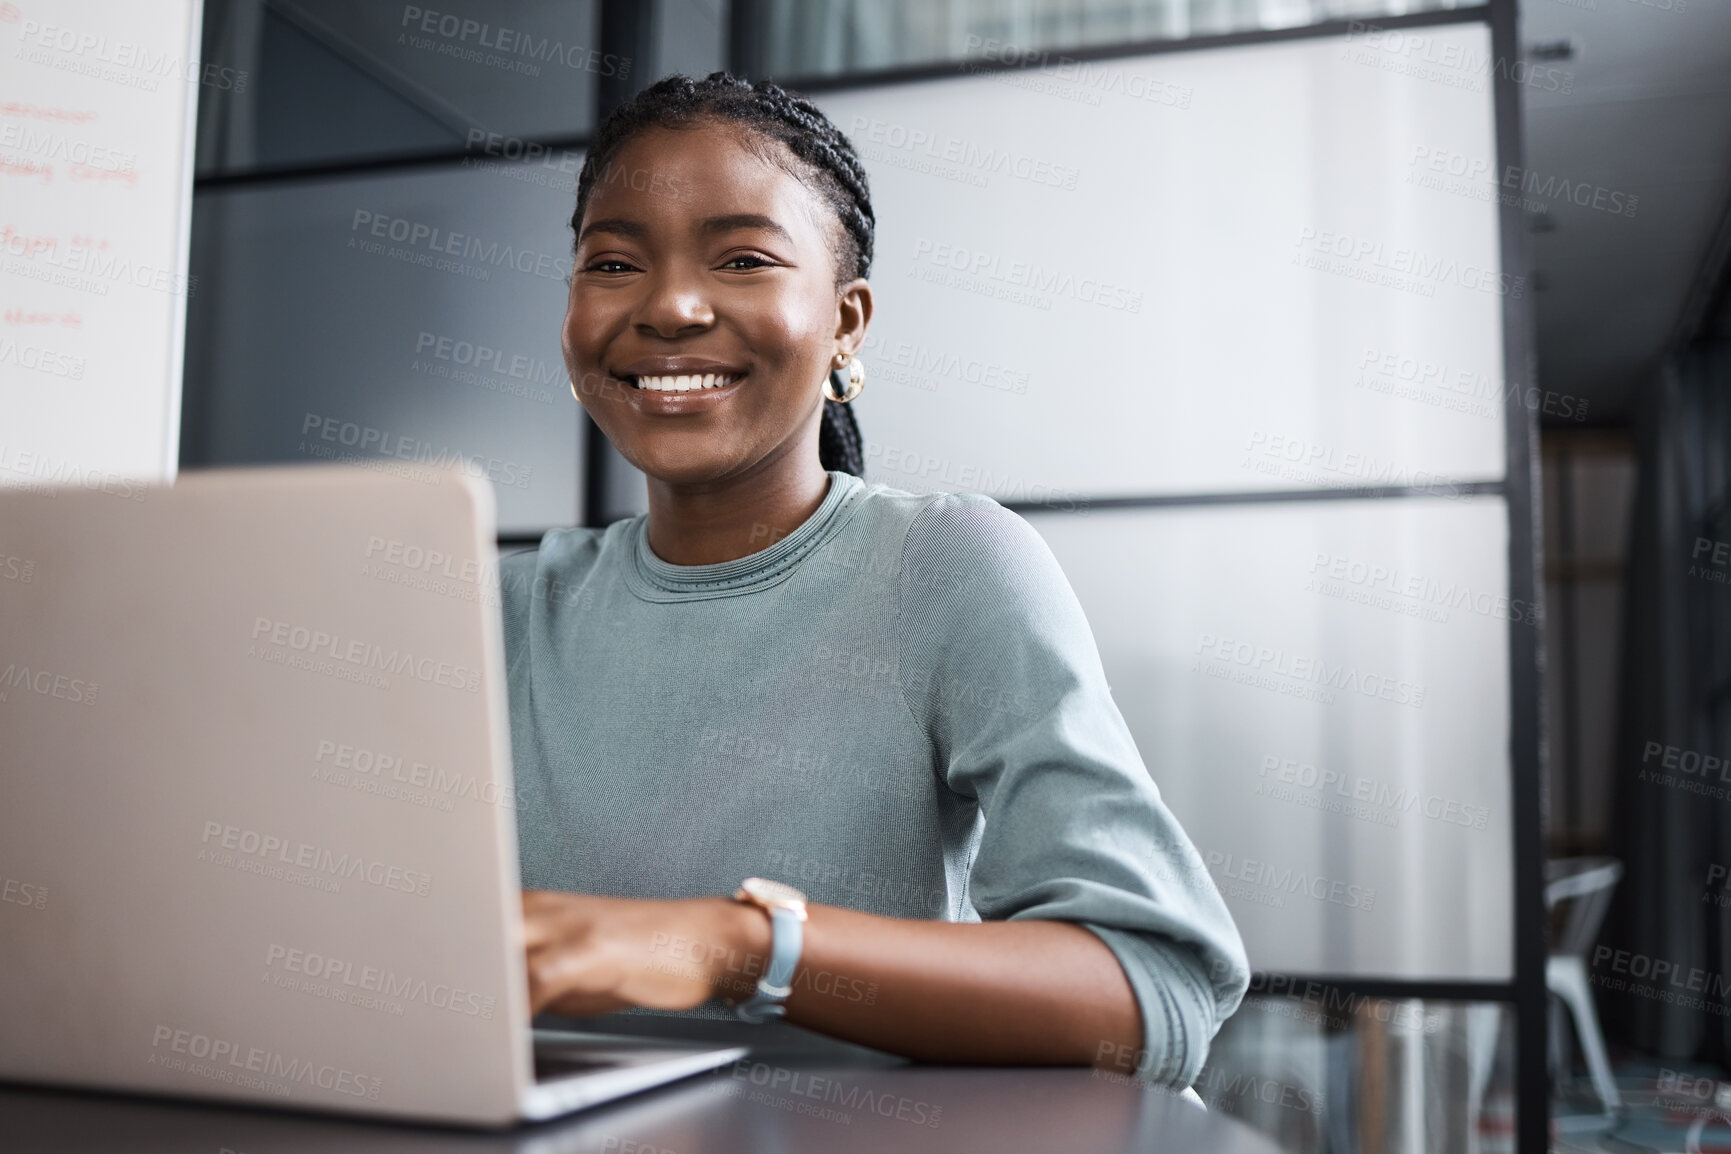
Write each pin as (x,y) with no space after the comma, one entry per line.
(855,379)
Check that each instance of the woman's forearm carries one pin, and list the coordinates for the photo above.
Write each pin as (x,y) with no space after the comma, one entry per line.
(1020,992)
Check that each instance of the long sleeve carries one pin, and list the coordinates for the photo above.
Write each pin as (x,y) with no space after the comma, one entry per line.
(1000,668)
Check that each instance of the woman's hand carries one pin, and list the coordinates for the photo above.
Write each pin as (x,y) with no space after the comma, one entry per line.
(592,955)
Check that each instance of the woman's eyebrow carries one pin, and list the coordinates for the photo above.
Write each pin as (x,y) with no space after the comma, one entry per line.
(739,220)
(637,230)
(619,226)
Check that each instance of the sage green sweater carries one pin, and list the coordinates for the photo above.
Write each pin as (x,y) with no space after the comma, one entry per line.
(898,708)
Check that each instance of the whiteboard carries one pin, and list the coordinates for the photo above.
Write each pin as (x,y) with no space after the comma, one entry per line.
(97,112)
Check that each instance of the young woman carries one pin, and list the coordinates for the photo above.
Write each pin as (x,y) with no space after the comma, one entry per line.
(892,702)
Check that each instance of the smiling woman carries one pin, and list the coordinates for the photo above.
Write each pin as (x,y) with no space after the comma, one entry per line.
(890,701)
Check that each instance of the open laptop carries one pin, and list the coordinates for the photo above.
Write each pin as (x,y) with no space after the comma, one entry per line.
(257,825)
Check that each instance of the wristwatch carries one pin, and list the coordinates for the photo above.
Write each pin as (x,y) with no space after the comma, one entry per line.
(786,909)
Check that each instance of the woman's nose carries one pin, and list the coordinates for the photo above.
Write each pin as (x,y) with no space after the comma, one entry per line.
(673,305)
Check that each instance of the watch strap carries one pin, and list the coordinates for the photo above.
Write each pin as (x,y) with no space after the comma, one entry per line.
(787,939)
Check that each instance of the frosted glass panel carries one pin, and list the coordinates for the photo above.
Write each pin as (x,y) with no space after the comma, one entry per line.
(403,318)
(1235,270)
(1321,692)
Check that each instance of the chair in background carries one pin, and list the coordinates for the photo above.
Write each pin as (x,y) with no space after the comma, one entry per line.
(1578,895)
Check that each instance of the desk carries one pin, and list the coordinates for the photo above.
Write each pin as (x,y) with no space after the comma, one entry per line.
(775,1102)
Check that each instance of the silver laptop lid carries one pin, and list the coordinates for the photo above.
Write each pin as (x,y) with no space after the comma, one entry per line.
(256,827)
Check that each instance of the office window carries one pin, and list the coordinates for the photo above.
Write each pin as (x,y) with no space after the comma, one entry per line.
(804,38)
(312,82)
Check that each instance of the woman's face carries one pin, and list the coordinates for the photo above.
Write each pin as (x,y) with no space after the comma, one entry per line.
(698,258)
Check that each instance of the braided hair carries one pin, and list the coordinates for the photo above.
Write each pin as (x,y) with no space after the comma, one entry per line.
(826,161)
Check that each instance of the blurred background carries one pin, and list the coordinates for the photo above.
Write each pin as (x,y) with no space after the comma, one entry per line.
(1364,362)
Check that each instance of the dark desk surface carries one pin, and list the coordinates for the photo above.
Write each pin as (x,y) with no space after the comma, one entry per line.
(791,1096)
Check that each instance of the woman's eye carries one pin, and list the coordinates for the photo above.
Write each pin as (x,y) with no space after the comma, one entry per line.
(608,266)
(745,261)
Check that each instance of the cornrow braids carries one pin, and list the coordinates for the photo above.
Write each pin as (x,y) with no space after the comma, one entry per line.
(828,163)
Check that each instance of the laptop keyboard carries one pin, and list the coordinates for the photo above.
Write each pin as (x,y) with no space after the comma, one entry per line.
(550,1064)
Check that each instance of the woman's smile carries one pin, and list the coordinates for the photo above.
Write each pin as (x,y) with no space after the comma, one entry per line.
(671,386)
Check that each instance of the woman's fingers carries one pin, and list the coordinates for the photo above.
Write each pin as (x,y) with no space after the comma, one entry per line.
(593,955)
(559,975)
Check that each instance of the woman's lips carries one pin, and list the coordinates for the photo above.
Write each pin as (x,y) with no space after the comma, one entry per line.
(669,399)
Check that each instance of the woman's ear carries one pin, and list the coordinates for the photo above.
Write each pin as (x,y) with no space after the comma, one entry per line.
(853,312)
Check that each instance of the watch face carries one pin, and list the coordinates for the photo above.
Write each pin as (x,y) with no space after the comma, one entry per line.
(771,893)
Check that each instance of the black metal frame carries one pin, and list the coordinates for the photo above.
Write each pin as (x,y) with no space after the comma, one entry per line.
(1519,488)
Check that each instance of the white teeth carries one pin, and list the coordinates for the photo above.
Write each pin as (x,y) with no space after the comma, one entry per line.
(686,383)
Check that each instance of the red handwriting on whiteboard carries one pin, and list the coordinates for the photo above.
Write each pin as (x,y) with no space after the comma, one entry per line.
(15,243)
(125,176)
(17,166)
(40,112)
(65,320)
